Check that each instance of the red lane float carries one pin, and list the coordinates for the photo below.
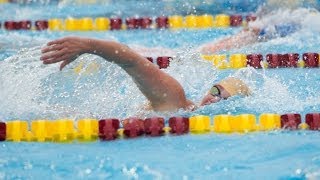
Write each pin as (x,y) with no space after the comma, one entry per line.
(11,25)
(145,22)
(25,25)
(236,20)
(108,129)
(136,23)
(274,60)
(162,22)
(179,125)
(290,121)
(154,126)
(313,121)
(163,62)
(132,23)
(254,60)
(133,127)
(290,60)
(3,133)
(311,60)
(115,23)
(41,25)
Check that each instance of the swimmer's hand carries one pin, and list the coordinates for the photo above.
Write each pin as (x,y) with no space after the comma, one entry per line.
(64,50)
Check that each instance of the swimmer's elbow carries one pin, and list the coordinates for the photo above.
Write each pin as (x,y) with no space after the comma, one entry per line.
(172,102)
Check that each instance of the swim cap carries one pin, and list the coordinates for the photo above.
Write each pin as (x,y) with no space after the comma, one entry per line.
(234,86)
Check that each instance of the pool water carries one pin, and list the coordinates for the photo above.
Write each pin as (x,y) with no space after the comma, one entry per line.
(30,90)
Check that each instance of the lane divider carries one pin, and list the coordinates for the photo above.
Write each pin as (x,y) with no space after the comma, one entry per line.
(64,130)
(117,23)
(234,61)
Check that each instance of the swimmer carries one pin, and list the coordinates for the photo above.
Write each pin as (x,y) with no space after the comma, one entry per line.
(163,91)
(274,19)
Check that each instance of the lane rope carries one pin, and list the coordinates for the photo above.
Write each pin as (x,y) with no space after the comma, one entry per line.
(233,61)
(68,130)
(129,23)
(271,60)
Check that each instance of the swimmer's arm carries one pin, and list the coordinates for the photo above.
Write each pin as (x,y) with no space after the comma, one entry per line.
(243,38)
(164,92)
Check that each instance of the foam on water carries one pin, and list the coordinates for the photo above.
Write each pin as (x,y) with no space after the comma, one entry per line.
(43,91)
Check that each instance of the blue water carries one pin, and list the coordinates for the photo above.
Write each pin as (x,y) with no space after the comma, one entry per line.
(29,90)
(275,155)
